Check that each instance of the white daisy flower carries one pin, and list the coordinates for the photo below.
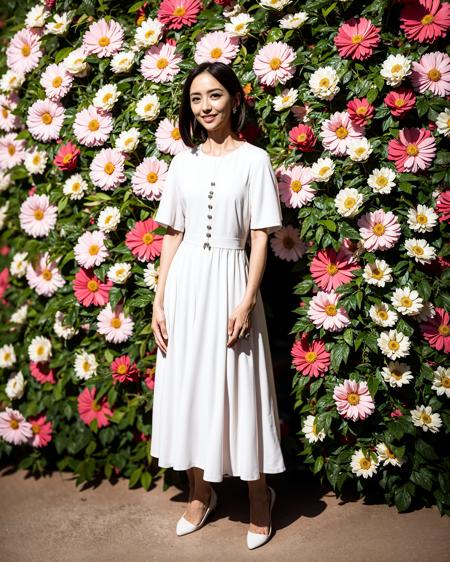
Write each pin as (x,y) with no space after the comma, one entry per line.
(310,430)
(386,456)
(394,344)
(441,381)
(286,99)
(362,465)
(407,301)
(382,180)
(36,16)
(108,219)
(422,219)
(75,187)
(11,80)
(35,162)
(397,374)
(443,122)
(423,416)
(76,64)
(128,140)
(59,25)
(15,386)
(85,365)
(148,107)
(359,149)
(19,264)
(7,356)
(426,313)
(151,273)
(20,315)
(106,97)
(3,214)
(348,202)
(275,4)
(119,272)
(148,33)
(420,250)
(324,83)
(377,273)
(238,25)
(323,169)
(293,21)
(395,68)
(382,315)
(122,62)
(5,181)
(40,349)
(62,330)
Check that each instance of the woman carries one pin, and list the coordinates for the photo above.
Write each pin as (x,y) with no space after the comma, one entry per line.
(215,410)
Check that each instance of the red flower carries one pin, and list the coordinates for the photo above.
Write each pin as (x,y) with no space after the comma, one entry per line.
(357,38)
(400,101)
(67,157)
(90,410)
(176,13)
(437,331)
(150,378)
(142,242)
(4,278)
(331,270)
(311,360)
(360,111)
(89,289)
(42,430)
(415,150)
(443,206)
(41,372)
(302,138)
(123,371)
(425,20)
(397,413)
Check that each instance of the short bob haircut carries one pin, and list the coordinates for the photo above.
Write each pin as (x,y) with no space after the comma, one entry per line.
(190,128)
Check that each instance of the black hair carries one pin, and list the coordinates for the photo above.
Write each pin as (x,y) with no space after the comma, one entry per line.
(189,127)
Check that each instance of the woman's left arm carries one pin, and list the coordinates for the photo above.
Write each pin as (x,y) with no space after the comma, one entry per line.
(239,321)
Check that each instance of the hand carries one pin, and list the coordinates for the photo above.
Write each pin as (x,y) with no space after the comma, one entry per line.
(239,323)
(159,327)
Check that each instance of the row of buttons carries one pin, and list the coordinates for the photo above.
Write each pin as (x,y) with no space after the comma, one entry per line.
(208,226)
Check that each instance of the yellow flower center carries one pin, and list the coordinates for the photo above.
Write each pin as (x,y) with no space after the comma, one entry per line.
(179,11)
(445,382)
(361,110)
(86,366)
(46,118)
(412,150)
(357,38)
(296,185)
(349,202)
(152,177)
(406,302)
(93,125)
(104,41)
(239,26)
(116,323)
(341,133)
(94,249)
(381,181)
(216,53)
(275,63)
(26,50)
(332,269)
(67,157)
(396,68)
(38,214)
(331,310)
(377,273)
(399,102)
(120,271)
(92,285)
(36,159)
(5,112)
(57,81)
(421,219)
(427,19)
(444,330)
(353,398)
(11,149)
(324,83)
(378,229)
(393,345)
(40,350)
(108,219)
(162,63)
(324,170)
(96,407)
(149,33)
(301,137)
(109,168)
(396,374)
(360,151)
(176,133)
(147,238)
(418,250)
(122,369)
(47,275)
(382,315)
(14,424)
(310,356)
(434,75)
(107,97)
(426,418)
(128,141)
(76,186)
(148,107)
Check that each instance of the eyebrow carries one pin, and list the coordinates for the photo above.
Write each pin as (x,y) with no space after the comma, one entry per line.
(209,91)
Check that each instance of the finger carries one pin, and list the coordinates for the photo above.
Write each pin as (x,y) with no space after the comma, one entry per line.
(231,322)
(163,329)
(159,340)
(234,336)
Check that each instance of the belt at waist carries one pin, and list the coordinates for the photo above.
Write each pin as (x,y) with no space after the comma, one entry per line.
(215,242)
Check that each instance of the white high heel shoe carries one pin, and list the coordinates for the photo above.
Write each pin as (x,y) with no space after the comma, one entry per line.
(184,526)
(257,539)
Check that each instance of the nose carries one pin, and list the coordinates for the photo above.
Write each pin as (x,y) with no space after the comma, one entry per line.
(206,105)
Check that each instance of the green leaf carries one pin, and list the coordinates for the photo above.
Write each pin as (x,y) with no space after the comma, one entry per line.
(426,450)
(402,499)
(423,478)
(339,353)
(135,476)
(318,465)
(146,480)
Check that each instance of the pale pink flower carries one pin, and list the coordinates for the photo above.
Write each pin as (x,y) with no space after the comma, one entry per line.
(168,138)
(274,63)
(338,131)
(45,277)
(295,186)
(160,63)
(379,230)
(90,249)
(353,400)
(432,72)
(92,126)
(287,245)
(114,325)
(216,46)
(103,38)
(14,428)
(45,119)
(149,178)
(106,170)
(12,151)
(37,217)
(9,121)
(56,81)
(324,312)
(24,51)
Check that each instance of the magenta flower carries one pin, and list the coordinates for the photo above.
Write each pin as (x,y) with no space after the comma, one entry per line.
(45,119)
(360,111)
(123,370)
(14,428)
(432,72)
(274,63)
(436,330)
(37,217)
(324,312)
(88,289)
(311,359)
(338,131)
(330,270)
(176,13)
(425,20)
(353,400)
(379,230)
(42,372)
(414,150)
(106,170)
(92,126)
(357,38)
(400,101)
(90,409)
(142,242)
(24,51)
(41,429)
(160,63)
(103,38)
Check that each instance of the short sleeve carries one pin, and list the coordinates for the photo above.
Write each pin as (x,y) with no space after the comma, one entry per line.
(265,208)
(170,210)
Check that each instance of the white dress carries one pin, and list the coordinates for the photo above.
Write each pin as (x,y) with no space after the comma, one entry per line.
(215,407)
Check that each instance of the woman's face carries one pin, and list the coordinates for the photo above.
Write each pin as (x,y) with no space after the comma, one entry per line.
(211,103)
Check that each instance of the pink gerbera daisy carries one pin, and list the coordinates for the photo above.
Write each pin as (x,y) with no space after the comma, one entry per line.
(324,312)
(44,277)
(160,63)
(91,409)
(45,119)
(330,270)
(103,38)
(443,206)
(338,131)
(168,138)
(142,242)
(42,372)
(400,101)
(312,360)
(67,157)
(274,63)
(432,72)
(89,289)
(287,245)
(12,151)
(379,230)
(92,126)
(176,13)
(360,111)
(13,427)
(106,170)
(425,20)
(216,46)
(437,331)
(414,150)
(302,138)
(24,51)
(357,38)
(56,81)
(295,186)
(90,250)
(37,217)
(149,178)
(353,400)
(123,370)
(41,429)
(114,324)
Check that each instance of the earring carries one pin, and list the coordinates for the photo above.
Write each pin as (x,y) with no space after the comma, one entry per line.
(234,109)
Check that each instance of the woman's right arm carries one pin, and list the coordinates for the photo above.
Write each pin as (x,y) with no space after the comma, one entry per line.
(172,239)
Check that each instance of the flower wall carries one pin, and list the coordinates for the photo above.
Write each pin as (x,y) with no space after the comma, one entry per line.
(350,99)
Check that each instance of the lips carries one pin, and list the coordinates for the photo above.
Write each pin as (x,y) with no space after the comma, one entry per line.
(209,118)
